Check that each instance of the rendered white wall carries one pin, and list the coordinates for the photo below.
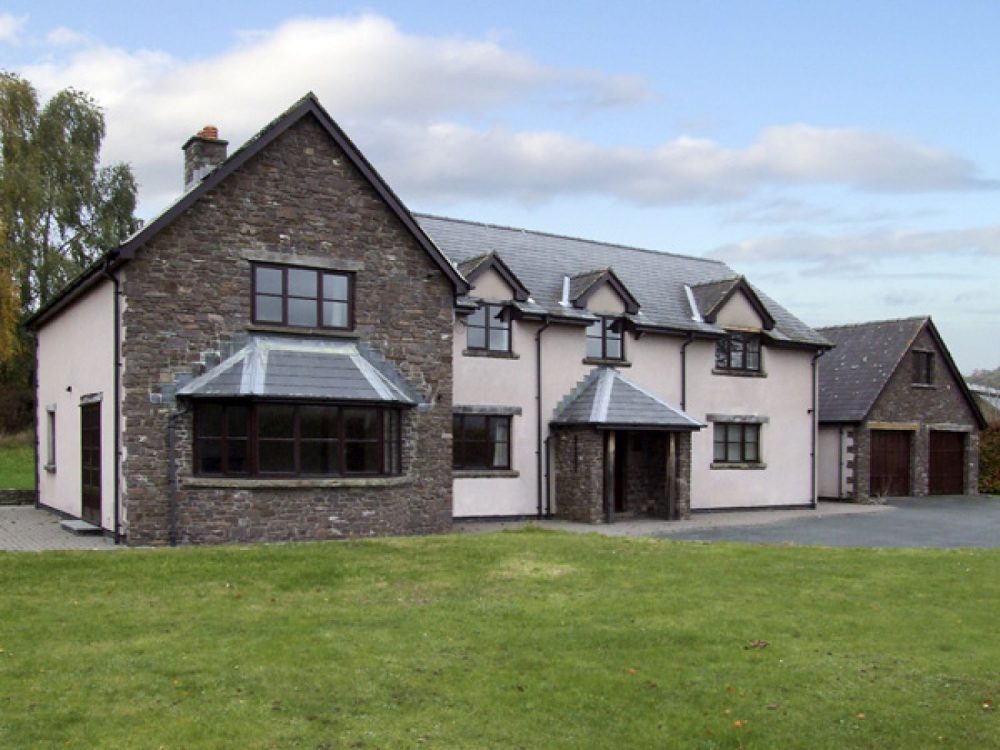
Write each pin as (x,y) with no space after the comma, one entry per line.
(738,313)
(784,397)
(490,285)
(75,358)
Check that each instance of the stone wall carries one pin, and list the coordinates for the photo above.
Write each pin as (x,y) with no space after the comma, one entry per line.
(578,458)
(187,298)
(18,497)
(940,406)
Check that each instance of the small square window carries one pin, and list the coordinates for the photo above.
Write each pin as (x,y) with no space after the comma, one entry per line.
(738,351)
(302,297)
(736,443)
(604,339)
(488,329)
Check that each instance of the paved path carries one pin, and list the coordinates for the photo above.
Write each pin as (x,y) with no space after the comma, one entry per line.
(941,521)
(904,522)
(700,522)
(24,528)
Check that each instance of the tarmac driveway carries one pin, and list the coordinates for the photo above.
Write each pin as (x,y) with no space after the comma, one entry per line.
(939,521)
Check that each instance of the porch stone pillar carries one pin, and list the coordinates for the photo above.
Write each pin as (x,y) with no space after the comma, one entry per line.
(578,459)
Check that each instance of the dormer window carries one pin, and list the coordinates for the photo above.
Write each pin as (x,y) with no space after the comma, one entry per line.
(604,339)
(488,329)
(302,297)
(738,351)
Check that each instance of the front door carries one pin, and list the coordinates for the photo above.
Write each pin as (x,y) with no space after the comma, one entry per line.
(90,442)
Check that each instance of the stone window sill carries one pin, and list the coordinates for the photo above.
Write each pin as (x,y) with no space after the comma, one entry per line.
(298,331)
(257,483)
(486,473)
(740,373)
(738,466)
(606,362)
(489,353)
(925,386)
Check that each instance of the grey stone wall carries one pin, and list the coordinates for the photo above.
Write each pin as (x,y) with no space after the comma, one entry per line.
(578,456)
(187,302)
(18,497)
(579,466)
(931,407)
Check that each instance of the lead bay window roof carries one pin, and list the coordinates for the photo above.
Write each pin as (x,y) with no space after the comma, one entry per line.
(303,368)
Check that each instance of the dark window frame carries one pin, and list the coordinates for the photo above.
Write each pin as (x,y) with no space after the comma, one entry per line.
(320,299)
(606,322)
(387,440)
(727,431)
(488,309)
(923,367)
(461,444)
(729,357)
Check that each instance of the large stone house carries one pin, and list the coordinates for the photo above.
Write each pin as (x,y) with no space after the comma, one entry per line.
(896,417)
(288,353)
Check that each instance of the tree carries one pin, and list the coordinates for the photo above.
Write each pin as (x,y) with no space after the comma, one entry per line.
(59,209)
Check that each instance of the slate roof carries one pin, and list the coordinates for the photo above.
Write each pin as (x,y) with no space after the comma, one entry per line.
(656,279)
(709,295)
(302,368)
(605,398)
(854,373)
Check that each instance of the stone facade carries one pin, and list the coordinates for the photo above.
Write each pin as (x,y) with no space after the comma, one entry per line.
(578,460)
(187,303)
(920,409)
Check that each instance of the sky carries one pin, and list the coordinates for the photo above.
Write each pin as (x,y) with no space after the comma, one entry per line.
(844,156)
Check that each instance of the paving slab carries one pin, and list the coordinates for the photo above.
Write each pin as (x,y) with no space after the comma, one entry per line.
(24,528)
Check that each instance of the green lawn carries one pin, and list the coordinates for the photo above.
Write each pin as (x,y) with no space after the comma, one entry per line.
(17,462)
(529,639)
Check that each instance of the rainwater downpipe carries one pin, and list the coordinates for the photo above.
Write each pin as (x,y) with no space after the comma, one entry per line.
(538,411)
(684,347)
(106,271)
(815,424)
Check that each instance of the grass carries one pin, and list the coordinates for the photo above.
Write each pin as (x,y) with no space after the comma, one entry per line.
(17,461)
(530,639)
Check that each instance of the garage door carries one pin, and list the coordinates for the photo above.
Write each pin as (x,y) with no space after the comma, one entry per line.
(946,464)
(890,467)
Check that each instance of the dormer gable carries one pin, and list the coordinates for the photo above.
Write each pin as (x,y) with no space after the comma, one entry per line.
(491,278)
(732,303)
(601,292)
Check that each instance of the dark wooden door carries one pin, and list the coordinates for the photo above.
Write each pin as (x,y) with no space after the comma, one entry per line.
(947,463)
(890,464)
(90,442)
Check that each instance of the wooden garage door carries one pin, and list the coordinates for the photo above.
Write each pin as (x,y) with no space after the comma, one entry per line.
(890,467)
(946,464)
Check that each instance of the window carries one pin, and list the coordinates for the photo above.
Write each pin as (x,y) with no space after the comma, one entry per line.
(488,330)
(737,443)
(302,297)
(303,440)
(604,339)
(50,438)
(738,351)
(481,442)
(923,368)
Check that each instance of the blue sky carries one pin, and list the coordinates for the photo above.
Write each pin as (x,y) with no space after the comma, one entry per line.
(843,155)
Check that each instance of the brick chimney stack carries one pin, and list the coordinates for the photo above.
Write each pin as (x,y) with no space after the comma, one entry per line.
(202,153)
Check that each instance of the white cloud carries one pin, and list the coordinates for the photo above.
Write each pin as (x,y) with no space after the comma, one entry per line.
(10,27)
(407,101)
(856,252)
(62,36)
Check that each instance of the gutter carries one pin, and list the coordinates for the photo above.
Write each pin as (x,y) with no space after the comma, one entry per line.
(106,271)
(815,425)
(684,347)
(538,410)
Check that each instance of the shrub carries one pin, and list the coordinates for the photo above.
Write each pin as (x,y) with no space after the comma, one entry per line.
(989,461)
